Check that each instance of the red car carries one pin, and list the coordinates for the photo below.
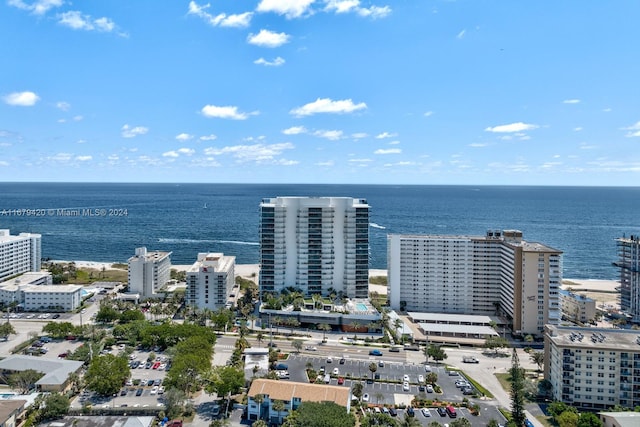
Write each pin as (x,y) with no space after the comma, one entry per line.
(62,355)
(340,381)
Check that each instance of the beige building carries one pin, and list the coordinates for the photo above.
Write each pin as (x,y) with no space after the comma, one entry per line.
(477,275)
(593,368)
(210,281)
(19,254)
(293,395)
(12,412)
(576,307)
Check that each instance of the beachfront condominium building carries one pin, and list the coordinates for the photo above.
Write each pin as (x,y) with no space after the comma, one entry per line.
(593,368)
(491,274)
(210,281)
(19,254)
(315,244)
(148,272)
(35,292)
(629,265)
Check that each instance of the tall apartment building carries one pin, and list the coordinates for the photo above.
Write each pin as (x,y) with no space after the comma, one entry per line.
(629,264)
(593,368)
(315,244)
(476,275)
(19,254)
(210,281)
(148,272)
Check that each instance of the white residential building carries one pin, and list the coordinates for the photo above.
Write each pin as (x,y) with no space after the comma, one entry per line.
(35,292)
(315,244)
(19,254)
(629,264)
(498,272)
(148,272)
(593,368)
(210,281)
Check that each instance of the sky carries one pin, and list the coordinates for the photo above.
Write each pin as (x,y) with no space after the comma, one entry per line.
(321,91)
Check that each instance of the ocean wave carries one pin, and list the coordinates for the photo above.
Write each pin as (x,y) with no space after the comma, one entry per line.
(374,225)
(192,241)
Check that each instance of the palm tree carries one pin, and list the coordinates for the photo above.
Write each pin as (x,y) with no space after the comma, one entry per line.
(324,327)
(293,323)
(408,421)
(537,357)
(278,406)
(259,399)
(260,337)
(373,367)
(355,325)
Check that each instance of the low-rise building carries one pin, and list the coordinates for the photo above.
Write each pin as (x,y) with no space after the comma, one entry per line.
(210,281)
(620,419)
(35,292)
(576,307)
(12,412)
(292,394)
(56,378)
(593,368)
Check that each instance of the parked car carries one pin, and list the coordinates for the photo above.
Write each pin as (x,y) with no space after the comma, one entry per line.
(311,348)
(150,383)
(441,411)
(393,412)
(340,381)
(427,368)
(410,411)
(154,390)
(365,397)
(336,371)
(405,386)
(426,412)
(329,359)
(124,392)
(405,378)
(429,388)
(281,367)
(342,360)
(139,392)
(420,378)
(422,388)
(161,390)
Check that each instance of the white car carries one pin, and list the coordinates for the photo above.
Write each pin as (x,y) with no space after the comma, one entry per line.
(427,368)
(425,412)
(311,348)
(365,397)
(420,379)
(154,390)
(405,386)
(429,388)
(329,359)
(405,378)
(161,390)
(336,371)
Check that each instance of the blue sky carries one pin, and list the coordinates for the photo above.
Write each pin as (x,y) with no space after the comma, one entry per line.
(304,91)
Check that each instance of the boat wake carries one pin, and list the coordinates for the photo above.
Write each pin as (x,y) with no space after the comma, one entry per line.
(194,241)
(374,225)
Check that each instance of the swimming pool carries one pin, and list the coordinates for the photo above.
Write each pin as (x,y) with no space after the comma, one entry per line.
(361,307)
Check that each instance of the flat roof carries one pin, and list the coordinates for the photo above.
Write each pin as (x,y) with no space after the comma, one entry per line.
(610,339)
(457,329)
(56,371)
(286,390)
(452,318)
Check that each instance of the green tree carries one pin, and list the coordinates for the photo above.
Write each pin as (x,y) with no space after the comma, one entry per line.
(517,393)
(324,327)
(55,406)
(23,381)
(537,357)
(131,316)
(437,424)
(278,406)
(297,344)
(357,390)
(495,343)
(107,314)
(260,423)
(6,329)
(59,330)
(373,367)
(314,414)
(106,374)
(374,419)
(436,352)
(460,422)
(408,421)
(567,419)
(589,419)
(431,378)
(173,402)
(493,423)
(556,408)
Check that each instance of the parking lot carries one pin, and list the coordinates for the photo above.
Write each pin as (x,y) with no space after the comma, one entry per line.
(143,389)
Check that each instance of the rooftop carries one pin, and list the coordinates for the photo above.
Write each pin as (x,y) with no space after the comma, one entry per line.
(56,371)
(452,318)
(613,339)
(286,391)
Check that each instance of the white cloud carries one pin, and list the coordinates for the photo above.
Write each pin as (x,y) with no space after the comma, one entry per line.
(346,6)
(400,164)
(81,141)
(60,157)
(259,153)
(3,163)
(332,135)
(607,110)
(360,160)
(64,106)
(571,101)
(187,151)
(359,135)
(288,8)
(210,137)
(577,129)
(374,12)
(172,154)
(77,118)
(325,164)
(461,34)
(386,135)
(634,130)
(512,127)
(184,137)
(388,151)
(241,20)
(76,20)
(585,146)
(394,142)
(295,130)
(428,114)
(275,63)
(131,132)
(326,105)
(22,99)
(226,112)
(266,38)
(38,7)
(84,158)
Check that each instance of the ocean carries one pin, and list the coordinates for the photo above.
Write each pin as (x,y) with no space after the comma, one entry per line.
(106,222)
